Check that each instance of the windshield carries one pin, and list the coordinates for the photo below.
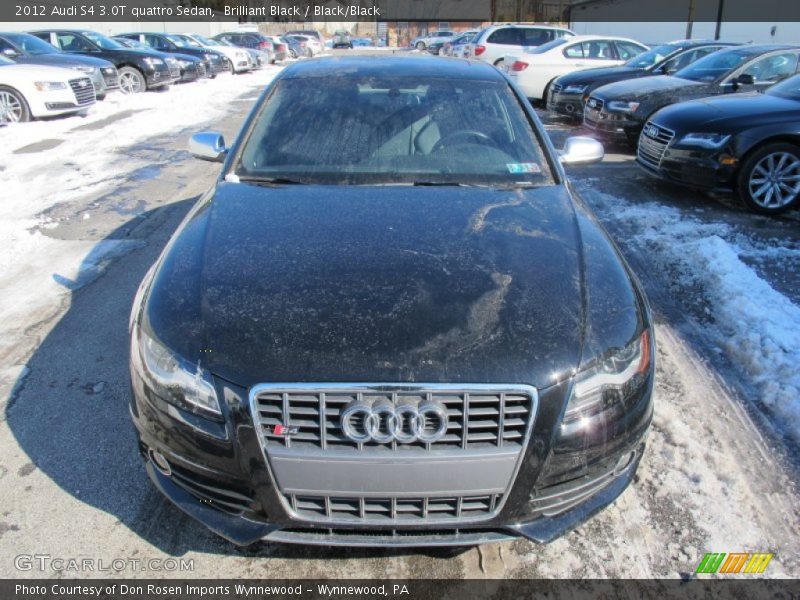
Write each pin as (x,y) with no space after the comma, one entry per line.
(548,46)
(180,41)
(102,41)
(652,56)
(30,43)
(204,40)
(789,88)
(714,66)
(393,130)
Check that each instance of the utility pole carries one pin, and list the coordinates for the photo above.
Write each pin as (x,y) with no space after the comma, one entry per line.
(690,20)
(720,8)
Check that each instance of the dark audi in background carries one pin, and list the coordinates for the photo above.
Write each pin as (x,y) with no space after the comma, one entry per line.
(620,110)
(391,321)
(749,143)
(568,94)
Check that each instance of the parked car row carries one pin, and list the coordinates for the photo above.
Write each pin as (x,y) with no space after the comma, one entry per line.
(706,114)
(52,72)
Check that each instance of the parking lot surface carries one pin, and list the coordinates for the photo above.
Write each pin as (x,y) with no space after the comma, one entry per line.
(719,473)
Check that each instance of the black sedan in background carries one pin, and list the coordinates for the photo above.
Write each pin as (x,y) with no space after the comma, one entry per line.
(183,67)
(139,70)
(620,110)
(27,49)
(568,93)
(391,321)
(213,62)
(749,143)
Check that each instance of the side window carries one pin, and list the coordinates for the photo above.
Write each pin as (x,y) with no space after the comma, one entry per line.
(772,69)
(156,42)
(44,36)
(626,50)
(536,37)
(598,50)
(507,35)
(574,51)
(4,45)
(73,43)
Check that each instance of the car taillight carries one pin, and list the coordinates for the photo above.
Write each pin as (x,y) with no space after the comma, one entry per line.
(302,44)
(265,45)
(479,50)
(519,66)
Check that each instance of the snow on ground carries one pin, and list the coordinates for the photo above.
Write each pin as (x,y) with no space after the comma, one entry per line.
(82,157)
(757,327)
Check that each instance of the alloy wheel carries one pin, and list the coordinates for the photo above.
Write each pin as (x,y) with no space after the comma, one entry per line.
(130,83)
(775,180)
(11,110)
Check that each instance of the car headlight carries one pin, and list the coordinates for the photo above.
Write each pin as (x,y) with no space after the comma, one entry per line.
(184,63)
(172,378)
(49,86)
(711,141)
(608,383)
(623,106)
(85,68)
(109,70)
(574,89)
(207,56)
(153,61)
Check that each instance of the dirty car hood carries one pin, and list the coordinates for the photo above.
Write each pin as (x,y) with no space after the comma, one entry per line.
(375,283)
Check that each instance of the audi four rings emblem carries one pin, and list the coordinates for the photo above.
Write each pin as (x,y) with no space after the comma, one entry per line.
(384,422)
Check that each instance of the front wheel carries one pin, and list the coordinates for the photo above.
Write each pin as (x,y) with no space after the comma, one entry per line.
(13,107)
(131,81)
(420,46)
(769,180)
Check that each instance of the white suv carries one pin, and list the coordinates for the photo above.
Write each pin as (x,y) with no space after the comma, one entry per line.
(494,43)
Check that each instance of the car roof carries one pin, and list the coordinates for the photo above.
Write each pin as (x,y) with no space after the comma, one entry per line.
(588,38)
(398,66)
(527,26)
(756,49)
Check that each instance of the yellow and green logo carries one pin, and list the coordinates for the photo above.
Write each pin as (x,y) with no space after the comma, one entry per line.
(734,562)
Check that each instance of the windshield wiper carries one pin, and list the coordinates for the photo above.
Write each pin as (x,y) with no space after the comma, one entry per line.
(269,180)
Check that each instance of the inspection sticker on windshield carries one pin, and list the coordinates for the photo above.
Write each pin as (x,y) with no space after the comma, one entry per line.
(523,168)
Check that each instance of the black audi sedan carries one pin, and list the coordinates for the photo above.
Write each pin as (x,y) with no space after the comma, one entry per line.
(26,49)
(139,70)
(184,67)
(213,62)
(749,143)
(391,321)
(568,93)
(620,110)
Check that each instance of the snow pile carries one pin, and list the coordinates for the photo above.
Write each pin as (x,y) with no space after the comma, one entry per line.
(757,326)
(70,162)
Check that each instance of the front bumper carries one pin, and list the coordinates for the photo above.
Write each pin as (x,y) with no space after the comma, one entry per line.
(612,125)
(159,75)
(696,169)
(218,476)
(569,105)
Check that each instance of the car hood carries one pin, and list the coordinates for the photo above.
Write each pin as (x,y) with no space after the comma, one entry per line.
(600,75)
(384,283)
(737,110)
(26,71)
(643,87)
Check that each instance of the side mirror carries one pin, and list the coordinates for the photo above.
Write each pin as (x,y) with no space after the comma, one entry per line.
(581,150)
(208,145)
(745,79)
(10,53)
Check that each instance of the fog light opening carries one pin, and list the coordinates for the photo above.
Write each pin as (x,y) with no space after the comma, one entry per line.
(570,108)
(160,461)
(624,462)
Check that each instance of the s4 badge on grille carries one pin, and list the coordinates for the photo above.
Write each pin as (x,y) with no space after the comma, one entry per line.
(284,430)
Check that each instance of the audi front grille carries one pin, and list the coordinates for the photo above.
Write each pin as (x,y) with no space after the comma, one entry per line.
(83,90)
(653,143)
(411,453)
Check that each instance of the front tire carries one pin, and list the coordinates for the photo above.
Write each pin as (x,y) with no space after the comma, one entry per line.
(13,106)
(420,46)
(132,81)
(769,179)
